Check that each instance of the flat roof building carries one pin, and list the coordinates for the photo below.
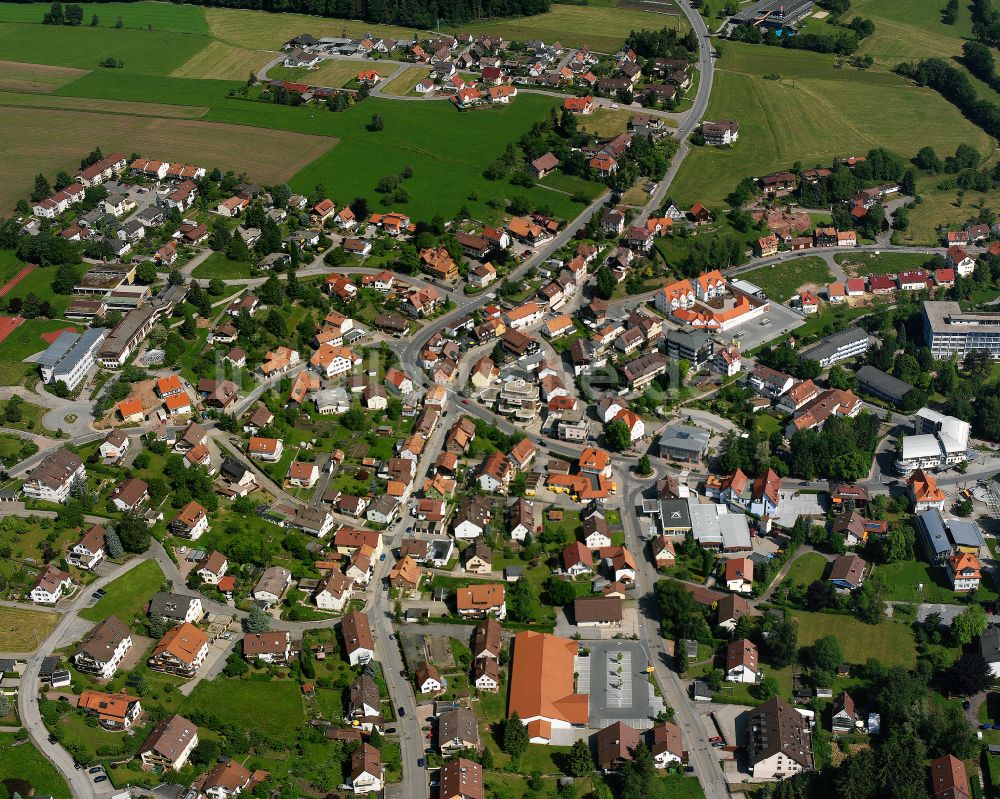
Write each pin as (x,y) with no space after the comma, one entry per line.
(838,347)
(948,330)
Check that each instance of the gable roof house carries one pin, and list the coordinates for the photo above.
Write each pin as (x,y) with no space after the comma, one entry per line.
(104,648)
(358,640)
(779,743)
(169,745)
(542,683)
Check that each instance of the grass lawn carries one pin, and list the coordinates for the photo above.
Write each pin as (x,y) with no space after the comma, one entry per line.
(26,340)
(573,184)
(218,265)
(127,595)
(902,579)
(403,84)
(39,283)
(904,29)
(605,122)
(782,281)
(941,207)
(813,113)
(22,629)
(447,151)
(26,762)
(893,641)
(333,72)
(766,423)
(885,263)
(242,701)
(807,569)
(600,28)
(31,418)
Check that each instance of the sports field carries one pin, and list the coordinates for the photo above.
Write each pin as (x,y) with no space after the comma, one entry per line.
(42,140)
(813,113)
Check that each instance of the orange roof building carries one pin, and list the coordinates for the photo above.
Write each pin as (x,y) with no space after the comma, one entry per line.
(924,491)
(541,688)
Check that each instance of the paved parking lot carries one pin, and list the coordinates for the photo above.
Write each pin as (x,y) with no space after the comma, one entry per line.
(618,685)
(780,318)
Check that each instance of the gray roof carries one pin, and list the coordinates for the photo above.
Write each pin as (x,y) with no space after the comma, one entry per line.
(829,346)
(883,382)
(70,348)
(932,529)
(170,606)
(685,437)
(965,534)
(675,514)
(989,644)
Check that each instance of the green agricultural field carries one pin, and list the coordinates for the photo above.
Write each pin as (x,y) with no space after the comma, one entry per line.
(258,31)
(15,76)
(814,113)
(23,630)
(241,701)
(223,62)
(884,263)
(42,140)
(144,52)
(782,281)
(26,762)
(113,85)
(806,569)
(162,16)
(893,641)
(447,150)
(600,28)
(127,595)
(904,29)
(124,107)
